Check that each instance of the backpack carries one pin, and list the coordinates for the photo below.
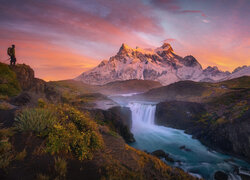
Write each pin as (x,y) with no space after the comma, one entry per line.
(9,51)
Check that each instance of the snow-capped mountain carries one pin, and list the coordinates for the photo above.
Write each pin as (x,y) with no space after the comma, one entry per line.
(160,64)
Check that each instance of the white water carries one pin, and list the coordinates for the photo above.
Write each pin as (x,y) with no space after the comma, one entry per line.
(199,160)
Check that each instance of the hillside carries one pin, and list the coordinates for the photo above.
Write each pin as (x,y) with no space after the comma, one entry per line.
(193,91)
(44,136)
(128,86)
(93,96)
(119,87)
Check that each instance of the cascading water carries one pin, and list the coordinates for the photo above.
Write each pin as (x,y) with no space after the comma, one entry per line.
(143,115)
(196,160)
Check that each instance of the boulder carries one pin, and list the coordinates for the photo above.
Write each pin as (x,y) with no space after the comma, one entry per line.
(219,175)
(21,100)
(159,153)
(25,75)
(185,148)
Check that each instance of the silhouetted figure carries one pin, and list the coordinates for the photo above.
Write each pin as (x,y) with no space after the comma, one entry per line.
(11,52)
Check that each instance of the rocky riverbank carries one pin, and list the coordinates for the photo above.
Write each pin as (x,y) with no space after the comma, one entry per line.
(222,123)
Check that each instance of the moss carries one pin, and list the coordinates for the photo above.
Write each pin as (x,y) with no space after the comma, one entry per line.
(9,85)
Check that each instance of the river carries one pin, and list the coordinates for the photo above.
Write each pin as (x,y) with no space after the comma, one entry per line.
(195,158)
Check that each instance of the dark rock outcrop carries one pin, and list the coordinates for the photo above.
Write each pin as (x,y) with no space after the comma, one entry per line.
(221,124)
(219,175)
(185,148)
(29,84)
(118,119)
(21,100)
(25,75)
(161,154)
(178,114)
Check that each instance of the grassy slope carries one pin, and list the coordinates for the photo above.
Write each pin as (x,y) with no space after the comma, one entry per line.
(29,155)
(117,87)
(195,91)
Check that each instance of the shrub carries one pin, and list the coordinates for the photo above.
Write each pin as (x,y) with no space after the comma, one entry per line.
(37,120)
(60,167)
(41,103)
(6,152)
(76,133)
(42,177)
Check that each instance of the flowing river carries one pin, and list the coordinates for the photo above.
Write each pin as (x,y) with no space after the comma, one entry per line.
(198,160)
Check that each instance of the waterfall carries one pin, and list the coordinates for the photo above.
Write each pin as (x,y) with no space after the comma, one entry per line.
(143,115)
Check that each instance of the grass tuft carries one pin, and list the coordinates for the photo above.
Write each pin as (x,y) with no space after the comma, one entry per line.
(37,120)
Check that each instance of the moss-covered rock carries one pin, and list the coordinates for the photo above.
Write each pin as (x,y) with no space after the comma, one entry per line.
(9,85)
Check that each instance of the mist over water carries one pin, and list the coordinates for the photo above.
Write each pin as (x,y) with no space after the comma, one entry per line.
(199,160)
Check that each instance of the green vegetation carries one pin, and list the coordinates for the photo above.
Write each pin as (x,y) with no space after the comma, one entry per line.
(60,167)
(76,133)
(41,103)
(6,151)
(70,89)
(37,120)
(9,85)
(66,129)
(238,83)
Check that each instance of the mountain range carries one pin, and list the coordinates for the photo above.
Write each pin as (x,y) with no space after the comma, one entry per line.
(161,64)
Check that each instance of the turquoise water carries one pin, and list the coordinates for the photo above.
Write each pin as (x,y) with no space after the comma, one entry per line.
(200,161)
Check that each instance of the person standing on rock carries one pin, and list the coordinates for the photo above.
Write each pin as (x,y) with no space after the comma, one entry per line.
(12,53)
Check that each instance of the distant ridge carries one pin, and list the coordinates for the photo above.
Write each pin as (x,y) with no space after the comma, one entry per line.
(161,64)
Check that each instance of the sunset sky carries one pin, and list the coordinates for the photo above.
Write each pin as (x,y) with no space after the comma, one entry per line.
(62,38)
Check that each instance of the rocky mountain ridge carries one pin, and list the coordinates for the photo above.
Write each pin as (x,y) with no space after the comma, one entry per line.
(161,64)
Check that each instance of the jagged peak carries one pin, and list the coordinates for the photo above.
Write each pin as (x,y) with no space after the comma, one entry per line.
(167,46)
(124,49)
(190,61)
(239,68)
(209,68)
